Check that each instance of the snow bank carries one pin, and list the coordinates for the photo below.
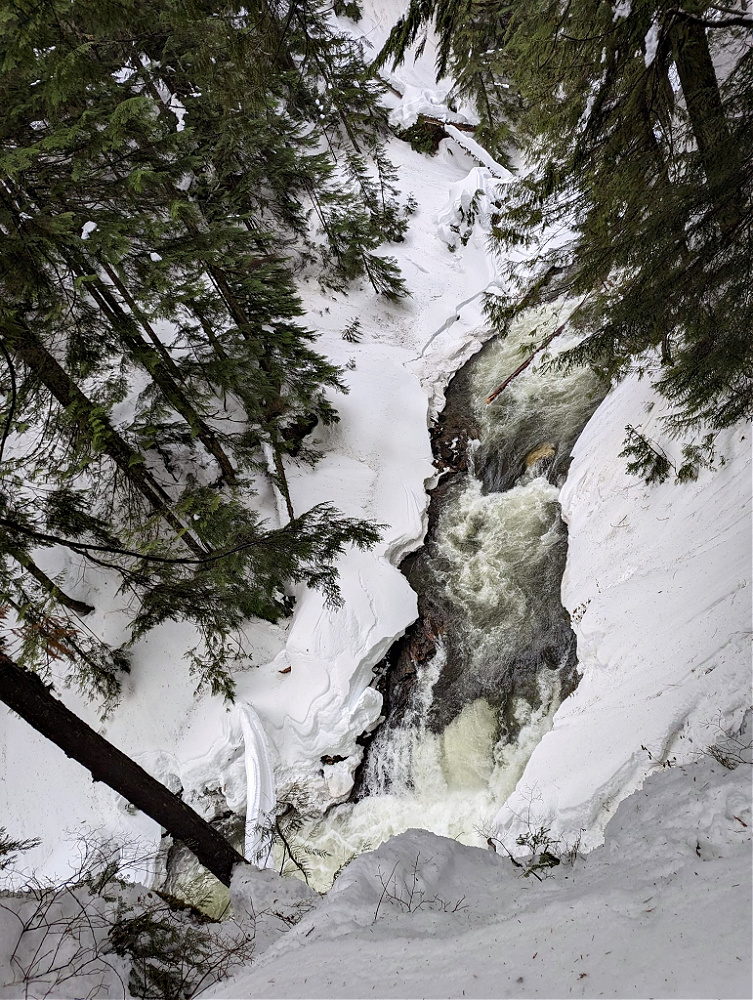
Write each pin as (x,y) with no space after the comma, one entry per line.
(662,909)
(658,587)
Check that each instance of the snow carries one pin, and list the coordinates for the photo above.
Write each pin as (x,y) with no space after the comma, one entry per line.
(658,587)
(661,909)
(417,101)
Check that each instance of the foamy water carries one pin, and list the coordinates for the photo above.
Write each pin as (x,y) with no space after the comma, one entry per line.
(496,561)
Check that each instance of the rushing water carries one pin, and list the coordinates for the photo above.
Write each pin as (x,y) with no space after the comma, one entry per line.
(500,648)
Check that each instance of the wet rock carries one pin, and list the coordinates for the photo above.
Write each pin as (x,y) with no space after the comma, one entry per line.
(542,452)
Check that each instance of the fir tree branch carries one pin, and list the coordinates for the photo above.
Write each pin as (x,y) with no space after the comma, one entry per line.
(729,22)
(83,548)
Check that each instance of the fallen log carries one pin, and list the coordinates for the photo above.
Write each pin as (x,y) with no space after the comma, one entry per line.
(27,695)
(542,347)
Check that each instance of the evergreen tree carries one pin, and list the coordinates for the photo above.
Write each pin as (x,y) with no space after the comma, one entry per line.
(151,184)
(647,186)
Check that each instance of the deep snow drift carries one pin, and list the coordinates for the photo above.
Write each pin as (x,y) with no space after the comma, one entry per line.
(661,910)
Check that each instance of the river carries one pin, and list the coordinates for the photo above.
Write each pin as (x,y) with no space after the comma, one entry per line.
(474,685)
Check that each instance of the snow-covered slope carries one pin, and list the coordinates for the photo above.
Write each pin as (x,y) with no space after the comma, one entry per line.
(661,910)
(657,583)
(658,587)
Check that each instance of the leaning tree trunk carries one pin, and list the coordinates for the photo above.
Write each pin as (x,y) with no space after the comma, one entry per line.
(37,358)
(158,363)
(155,360)
(700,88)
(27,695)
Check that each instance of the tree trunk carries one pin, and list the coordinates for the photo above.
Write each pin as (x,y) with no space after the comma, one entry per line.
(38,359)
(162,369)
(707,119)
(530,359)
(27,695)
(155,360)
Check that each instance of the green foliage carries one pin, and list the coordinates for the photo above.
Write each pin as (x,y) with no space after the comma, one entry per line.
(471,39)
(350,9)
(696,457)
(49,630)
(543,858)
(649,461)
(294,854)
(352,332)
(423,136)
(9,848)
(645,459)
(165,174)
(247,577)
(639,185)
(169,950)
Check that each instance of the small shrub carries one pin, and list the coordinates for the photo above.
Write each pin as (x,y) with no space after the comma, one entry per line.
(94,935)
(649,461)
(546,853)
(729,748)
(697,457)
(408,894)
(645,460)
(352,332)
(543,858)
(348,8)
(174,950)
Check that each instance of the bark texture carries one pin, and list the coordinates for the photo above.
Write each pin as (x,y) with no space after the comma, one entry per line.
(28,696)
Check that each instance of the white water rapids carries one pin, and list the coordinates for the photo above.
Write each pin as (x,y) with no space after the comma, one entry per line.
(497,557)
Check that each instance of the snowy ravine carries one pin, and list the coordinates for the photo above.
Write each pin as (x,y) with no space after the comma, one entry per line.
(375,463)
(658,587)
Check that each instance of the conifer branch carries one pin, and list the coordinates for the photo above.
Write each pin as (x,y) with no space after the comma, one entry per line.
(735,20)
(84,548)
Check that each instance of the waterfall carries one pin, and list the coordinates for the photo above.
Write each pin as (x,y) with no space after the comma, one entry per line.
(500,649)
